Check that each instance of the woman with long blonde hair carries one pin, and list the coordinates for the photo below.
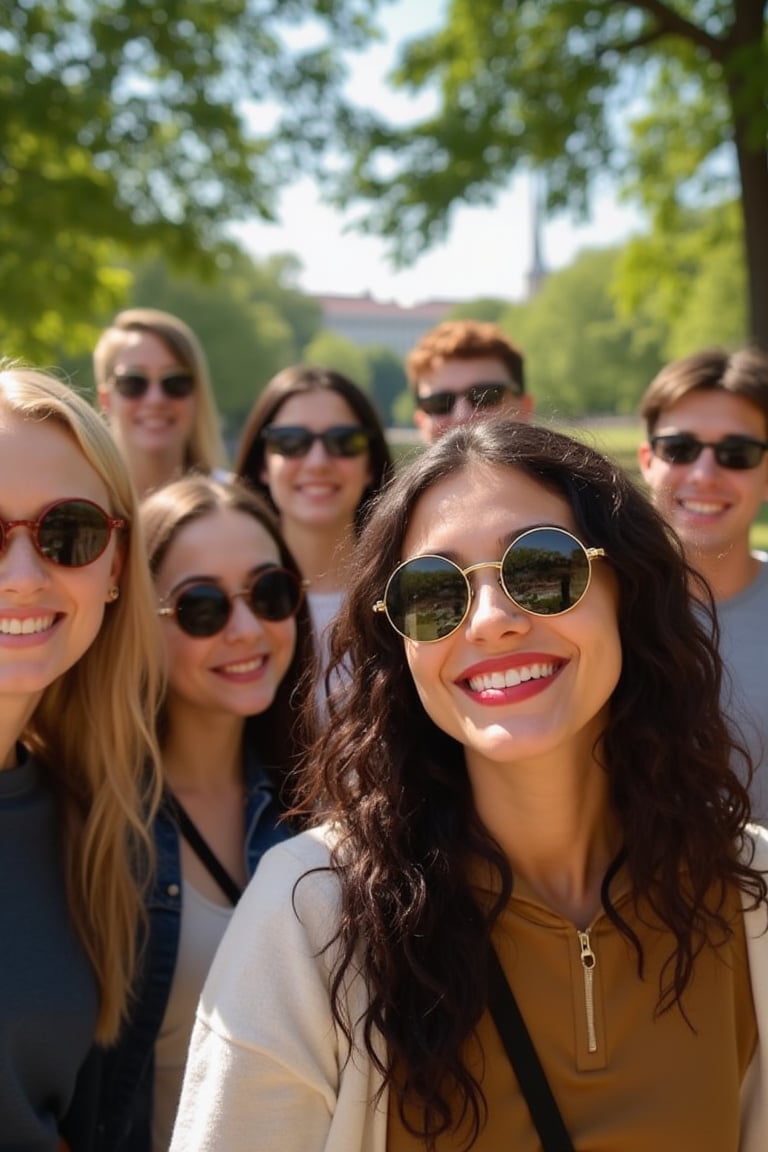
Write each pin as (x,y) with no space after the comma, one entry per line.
(79,685)
(154,386)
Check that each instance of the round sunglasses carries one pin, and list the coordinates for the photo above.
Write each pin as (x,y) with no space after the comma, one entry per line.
(294,441)
(70,533)
(203,609)
(134,385)
(737,453)
(545,571)
(484,394)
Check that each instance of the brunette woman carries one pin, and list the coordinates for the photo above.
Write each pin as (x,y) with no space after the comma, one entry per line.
(237,640)
(529,794)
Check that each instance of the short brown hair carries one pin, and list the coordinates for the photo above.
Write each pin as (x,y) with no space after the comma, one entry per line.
(742,373)
(464,340)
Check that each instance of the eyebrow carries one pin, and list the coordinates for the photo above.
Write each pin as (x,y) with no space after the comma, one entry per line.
(502,543)
(201,578)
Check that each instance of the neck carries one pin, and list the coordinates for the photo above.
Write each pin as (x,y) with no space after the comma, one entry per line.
(202,752)
(323,556)
(555,824)
(727,573)
(152,471)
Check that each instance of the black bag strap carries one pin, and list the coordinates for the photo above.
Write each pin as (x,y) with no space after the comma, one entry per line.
(524,1060)
(201,848)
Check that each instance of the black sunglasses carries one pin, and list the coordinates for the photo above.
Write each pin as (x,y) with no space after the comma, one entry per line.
(133,385)
(294,441)
(70,533)
(484,394)
(545,571)
(203,609)
(739,453)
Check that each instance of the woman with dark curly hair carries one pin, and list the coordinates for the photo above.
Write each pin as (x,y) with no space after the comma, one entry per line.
(527,790)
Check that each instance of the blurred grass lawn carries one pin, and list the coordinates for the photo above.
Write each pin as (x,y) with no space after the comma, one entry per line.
(616,438)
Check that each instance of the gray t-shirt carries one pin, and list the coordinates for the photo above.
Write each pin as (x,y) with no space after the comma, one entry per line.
(48,991)
(743,623)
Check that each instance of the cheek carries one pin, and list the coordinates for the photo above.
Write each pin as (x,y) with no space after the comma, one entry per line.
(284,645)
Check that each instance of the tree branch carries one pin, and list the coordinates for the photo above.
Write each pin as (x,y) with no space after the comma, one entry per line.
(671,22)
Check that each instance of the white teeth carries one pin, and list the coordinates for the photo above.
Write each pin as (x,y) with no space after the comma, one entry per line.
(512,677)
(245,665)
(701,508)
(26,627)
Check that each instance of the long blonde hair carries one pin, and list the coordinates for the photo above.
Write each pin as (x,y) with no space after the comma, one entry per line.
(205,450)
(93,729)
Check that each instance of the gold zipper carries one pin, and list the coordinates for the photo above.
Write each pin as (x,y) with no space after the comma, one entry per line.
(588,964)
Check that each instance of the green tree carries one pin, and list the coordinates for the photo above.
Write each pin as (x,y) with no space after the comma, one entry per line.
(388,380)
(127,124)
(581,357)
(672,97)
(328,350)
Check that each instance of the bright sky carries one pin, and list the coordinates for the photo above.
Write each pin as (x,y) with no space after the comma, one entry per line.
(488,251)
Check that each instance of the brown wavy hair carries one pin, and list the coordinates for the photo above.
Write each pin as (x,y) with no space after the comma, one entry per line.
(397,788)
(464,340)
(297,380)
(276,733)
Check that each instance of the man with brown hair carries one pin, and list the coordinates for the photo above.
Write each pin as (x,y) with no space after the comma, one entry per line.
(462,369)
(705,462)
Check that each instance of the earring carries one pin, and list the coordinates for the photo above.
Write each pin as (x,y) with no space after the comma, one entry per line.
(113,594)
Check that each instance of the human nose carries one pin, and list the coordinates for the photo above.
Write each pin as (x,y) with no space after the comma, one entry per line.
(243,621)
(705,466)
(491,611)
(317,453)
(22,568)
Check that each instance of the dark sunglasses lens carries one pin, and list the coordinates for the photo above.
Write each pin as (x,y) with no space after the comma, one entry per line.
(203,610)
(677,449)
(179,385)
(351,441)
(288,441)
(438,404)
(276,595)
(487,395)
(426,598)
(73,533)
(739,453)
(131,385)
(545,571)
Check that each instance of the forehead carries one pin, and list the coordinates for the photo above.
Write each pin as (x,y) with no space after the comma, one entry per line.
(224,543)
(40,462)
(315,410)
(474,510)
(454,375)
(138,348)
(713,413)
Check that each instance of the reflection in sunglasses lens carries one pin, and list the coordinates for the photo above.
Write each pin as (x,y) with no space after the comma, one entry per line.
(546,572)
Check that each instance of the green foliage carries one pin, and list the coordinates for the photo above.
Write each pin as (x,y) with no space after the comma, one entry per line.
(250,319)
(672,98)
(331,351)
(685,289)
(580,353)
(487,310)
(388,380)
(127,125)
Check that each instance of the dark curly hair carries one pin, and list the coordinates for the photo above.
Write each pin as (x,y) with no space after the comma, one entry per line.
(297,380)
(397,788)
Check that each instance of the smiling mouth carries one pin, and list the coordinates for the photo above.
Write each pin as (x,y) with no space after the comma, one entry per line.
(245,666)
(511,677)
(702,507)
(27,627)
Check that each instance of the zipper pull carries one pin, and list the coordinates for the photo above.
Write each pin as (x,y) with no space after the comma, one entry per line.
(588,962)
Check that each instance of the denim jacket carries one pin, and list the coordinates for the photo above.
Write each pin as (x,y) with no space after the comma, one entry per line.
(124,1121)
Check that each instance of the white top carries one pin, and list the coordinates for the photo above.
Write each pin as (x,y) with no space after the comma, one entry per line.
(203,924)
(323,607)
(268,1068)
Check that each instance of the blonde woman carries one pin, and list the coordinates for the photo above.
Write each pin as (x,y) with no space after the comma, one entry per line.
(153,383)
(78,686)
